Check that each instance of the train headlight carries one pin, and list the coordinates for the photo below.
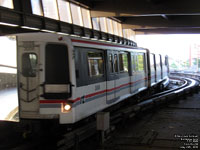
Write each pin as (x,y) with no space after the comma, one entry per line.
(66,107)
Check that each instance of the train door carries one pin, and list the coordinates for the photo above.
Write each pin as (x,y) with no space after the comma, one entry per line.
(158,68)
(153,69)
(56,82)
(112,71)
(28,76)
(134,73)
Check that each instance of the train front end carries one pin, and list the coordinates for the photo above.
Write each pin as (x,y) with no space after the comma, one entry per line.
(45,77)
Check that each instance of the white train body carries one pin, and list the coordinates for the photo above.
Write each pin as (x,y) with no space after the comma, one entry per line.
(70,78)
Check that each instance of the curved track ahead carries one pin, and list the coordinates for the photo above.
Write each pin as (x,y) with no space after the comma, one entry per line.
(73,138)
(171,128)
(70,139)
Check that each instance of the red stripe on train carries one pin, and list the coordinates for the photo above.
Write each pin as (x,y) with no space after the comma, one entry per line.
(95,43)
(89,95)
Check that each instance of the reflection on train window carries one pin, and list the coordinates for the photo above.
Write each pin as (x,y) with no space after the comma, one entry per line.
(162,60)
(158,62)
(166,61)
(29,64)
(115,63)
(134,62)
(121,67)
(152,60)
(95,62)
(123,62)
(140,62)
(111,63)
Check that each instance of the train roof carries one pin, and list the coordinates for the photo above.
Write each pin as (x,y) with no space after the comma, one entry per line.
(76,40)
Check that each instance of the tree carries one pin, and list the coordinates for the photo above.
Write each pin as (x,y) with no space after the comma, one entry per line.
(174,66)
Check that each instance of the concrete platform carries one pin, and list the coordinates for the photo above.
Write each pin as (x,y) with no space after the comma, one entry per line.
(8,102)
(174,127)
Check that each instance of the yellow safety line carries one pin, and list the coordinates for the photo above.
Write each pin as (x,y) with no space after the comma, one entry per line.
(12,114)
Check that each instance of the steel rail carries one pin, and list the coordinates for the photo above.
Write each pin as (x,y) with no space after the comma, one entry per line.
(74,137)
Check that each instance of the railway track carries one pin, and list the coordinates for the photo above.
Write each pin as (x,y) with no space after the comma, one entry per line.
(189,85)
(75,137)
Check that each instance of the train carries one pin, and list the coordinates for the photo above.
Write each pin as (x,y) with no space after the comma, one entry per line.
(69,78)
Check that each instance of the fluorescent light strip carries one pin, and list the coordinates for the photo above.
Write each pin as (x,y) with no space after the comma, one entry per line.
(8,24)
(31,28)
(62,33)
(48,31)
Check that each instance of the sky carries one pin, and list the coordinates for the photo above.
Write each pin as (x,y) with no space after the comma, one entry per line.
(8,51)
(8,54)
(176,46)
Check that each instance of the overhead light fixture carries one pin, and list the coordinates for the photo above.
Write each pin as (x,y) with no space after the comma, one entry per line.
(75,35)
(8,24)
(62,33)
(94,39)
(31,28)
(85,37)
(48,31)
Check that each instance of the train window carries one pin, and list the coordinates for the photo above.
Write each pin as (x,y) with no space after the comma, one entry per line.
(77,63)
(163,60)
(123,62)
(152,60)
(158,62)
(136,63)
(111,63)
(121,67)
(115,63)
(29,64)
(56,64)
(140,61)
(166,61)
(95,62)
(133,62)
